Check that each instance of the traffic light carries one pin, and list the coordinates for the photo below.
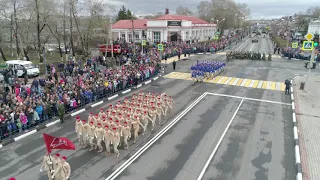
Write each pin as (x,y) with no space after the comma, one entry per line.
(316,40)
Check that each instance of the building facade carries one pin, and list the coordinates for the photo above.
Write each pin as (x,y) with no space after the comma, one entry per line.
(314,27)
(166,28)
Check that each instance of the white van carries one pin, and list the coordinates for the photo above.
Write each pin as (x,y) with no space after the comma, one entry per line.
(32,70)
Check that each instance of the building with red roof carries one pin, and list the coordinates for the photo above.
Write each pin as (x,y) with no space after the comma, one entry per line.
(165,28)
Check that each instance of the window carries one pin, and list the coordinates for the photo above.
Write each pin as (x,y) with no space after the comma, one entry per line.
(130,37)
(156,37)
(137,36)
(123,36)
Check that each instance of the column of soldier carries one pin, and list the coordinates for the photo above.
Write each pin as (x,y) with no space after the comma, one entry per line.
(56,168)
(118,123)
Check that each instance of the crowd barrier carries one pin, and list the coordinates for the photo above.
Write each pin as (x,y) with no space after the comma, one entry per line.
(103,92)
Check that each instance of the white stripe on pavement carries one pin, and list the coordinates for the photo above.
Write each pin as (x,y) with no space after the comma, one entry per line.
(147,82)
(227,82)
(297,153)
(243,82)
(97,104)
(112,97)
(236,81)
(139,85)
(52,123)
(1,145)
(25,135)
(78,112)
(260,84)
(126,91)
(155,78)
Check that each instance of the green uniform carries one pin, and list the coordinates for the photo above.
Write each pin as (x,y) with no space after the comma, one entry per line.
(61,111)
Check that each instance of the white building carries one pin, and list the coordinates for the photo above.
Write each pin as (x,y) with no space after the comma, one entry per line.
(314,27)
(164,29)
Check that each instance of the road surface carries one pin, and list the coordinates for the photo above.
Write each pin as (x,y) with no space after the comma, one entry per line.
(257,145)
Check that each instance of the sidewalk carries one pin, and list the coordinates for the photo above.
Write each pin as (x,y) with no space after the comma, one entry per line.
(175,58)
(307,109)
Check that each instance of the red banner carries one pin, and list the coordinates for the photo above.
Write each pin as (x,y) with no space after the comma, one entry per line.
(57,143)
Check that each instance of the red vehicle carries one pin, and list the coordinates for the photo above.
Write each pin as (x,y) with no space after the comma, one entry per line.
(117,50)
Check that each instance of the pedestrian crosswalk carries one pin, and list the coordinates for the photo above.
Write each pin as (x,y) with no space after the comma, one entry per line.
(250,83)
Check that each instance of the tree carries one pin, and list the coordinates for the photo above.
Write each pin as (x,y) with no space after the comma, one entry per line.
(184,11)
(205,10)
(314,11)
(122,14)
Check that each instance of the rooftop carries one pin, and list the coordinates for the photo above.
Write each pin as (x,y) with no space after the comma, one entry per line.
(193,19)
(127,24)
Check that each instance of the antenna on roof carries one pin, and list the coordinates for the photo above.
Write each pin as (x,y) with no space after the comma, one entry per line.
(167,11)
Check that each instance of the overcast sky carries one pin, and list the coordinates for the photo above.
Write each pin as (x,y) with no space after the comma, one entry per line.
(267,9)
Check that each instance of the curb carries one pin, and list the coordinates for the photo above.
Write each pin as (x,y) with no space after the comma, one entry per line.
(43,126)
(296,136)
(294,59)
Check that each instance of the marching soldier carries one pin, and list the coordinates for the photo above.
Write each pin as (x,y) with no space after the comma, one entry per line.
(77,129)
(66,168)
(47,165)
(57,168)
(126,134)
(99,135)
(115,142)
(61,111)
(91,133)
(107,139)
(101,113)
(84,132)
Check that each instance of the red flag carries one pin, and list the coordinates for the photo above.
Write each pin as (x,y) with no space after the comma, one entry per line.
(57,143)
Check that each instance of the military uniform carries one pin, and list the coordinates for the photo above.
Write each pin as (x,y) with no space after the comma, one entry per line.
(61,111)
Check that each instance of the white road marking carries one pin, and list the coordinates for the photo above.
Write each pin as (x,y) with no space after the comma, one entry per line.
(116,173)
(269,85)
(260,84)
(250,99)
(297,153)
(295,132)
(52,123)
(78,112)
(112,97)
(251,84)
(241,45)
(25,135)
(219,142)
(97,104)
(1,145)
(236,81)
(243,82)
(139,85)
(294,117)
(278,86)
(251,47)
(126,91)
(147,82)
(155,78)
(227,82)
(219,81)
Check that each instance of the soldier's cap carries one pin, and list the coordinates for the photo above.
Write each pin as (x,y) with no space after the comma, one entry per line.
(58,155)
(145,112)
(99,124)
(12,178)
(119,101)
(128,115)
(110,119)
(84,121)
(126,98)
(119,114)
(159,103)
(135,116)
(152,102)
(116,107)
(77,117)
(110,105)
(91,113)
(101,109)
(106,126)
(141,91)
(138,110)
(104,120)
(153,107)
(91,122)
(165,95)
(124,102)
(97,114)
(144,105)
(134,94)
(103,116)
(158,97)
(132,99)
(125,122)
(114,129)
(113,112)
(65,158)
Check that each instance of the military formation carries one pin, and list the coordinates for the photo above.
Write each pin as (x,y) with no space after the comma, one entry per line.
(120,122)
(248,55)
(56,167)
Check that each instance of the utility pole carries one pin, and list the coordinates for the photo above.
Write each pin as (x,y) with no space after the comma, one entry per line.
(111,37)
(133,36)
(11,34)
(310,65)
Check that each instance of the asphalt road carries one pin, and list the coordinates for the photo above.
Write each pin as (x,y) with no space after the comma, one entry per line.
(258,144)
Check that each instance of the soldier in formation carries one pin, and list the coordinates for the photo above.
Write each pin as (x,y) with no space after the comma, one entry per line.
(56,168)
(118,123)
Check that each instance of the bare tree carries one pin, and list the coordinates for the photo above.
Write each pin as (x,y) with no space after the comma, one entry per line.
(205,11)
(183,11)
